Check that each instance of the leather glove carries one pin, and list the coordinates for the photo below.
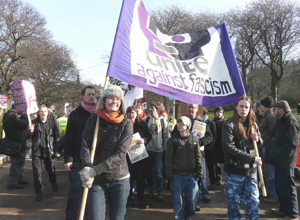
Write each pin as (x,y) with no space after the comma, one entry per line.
(87,175)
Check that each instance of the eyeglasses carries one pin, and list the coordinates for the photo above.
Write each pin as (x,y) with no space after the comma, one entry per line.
(114,99)
(181,124)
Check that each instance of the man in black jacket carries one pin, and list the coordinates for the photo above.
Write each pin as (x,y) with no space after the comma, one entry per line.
(72,146)
(13,127)
(44,135)
(282,153)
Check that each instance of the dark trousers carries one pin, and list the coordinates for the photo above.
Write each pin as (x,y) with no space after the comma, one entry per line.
(138,173)
(286,191)
(75,191)
(37,171)
(209,157)
(16,172)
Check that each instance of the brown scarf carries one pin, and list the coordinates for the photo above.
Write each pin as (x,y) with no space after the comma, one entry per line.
(112,117)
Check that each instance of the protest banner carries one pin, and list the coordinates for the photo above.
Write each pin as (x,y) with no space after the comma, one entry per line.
(24,97)
(3,101)
(131,93)
(197,67)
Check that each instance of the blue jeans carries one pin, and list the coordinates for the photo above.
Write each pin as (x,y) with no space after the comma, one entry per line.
(204,191)
(269,177)
(116,193)
(187,185)
(157,166)
(74,198)
(238,187)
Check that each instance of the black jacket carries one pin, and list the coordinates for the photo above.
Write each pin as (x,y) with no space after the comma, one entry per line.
(13,125)
(51,136)
(73,137)
(112,145)
(141,127)
(283,143)
(238,153)
(218,143)
(183,156)
(212,128)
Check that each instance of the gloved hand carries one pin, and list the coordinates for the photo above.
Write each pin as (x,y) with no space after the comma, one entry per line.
(87,175)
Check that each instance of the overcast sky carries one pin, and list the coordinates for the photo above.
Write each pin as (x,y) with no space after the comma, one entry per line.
(88,27)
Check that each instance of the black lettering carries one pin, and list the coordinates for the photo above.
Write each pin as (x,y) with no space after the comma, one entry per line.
(225,86)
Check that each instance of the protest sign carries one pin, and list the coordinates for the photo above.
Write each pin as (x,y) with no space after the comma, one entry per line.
(3,101)
(24,97)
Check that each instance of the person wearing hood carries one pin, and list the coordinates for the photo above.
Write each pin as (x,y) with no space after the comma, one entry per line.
(184,169)
(107,176)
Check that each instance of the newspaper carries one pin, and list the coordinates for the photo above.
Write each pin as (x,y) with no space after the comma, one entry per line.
(136,151)
(199,129)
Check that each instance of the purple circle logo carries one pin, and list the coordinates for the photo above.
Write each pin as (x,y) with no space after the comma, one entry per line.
(178,38)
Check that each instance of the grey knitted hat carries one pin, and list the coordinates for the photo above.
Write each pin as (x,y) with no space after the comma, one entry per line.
(186,121)
(112,91)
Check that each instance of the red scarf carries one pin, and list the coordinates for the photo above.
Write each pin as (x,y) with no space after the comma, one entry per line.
(90,108)
(142,115)
(112,117)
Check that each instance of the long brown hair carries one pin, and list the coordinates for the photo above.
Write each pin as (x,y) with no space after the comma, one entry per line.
(239,130)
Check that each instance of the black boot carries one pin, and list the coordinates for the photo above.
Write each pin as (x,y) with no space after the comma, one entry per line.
(39,196)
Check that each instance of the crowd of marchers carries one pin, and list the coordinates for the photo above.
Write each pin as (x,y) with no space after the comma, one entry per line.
(177,158)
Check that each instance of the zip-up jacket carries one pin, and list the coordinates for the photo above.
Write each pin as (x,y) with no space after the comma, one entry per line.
(183,156)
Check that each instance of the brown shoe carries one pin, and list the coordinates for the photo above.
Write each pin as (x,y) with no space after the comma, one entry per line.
(271,200)
(277,212)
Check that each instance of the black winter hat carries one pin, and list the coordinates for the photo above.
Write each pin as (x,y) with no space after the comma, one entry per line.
(155,105)
(267,102)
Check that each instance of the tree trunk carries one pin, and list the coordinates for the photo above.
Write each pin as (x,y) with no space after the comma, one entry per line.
(274,84)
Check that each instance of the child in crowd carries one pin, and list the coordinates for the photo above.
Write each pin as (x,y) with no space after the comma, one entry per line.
(183,169)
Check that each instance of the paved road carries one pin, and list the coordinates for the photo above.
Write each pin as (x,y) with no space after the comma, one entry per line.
(20,204)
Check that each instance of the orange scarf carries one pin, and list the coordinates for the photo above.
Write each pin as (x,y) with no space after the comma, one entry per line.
(112,117)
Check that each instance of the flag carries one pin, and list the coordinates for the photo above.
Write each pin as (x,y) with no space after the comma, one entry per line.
(24,97)
(131,93)
(198,68)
